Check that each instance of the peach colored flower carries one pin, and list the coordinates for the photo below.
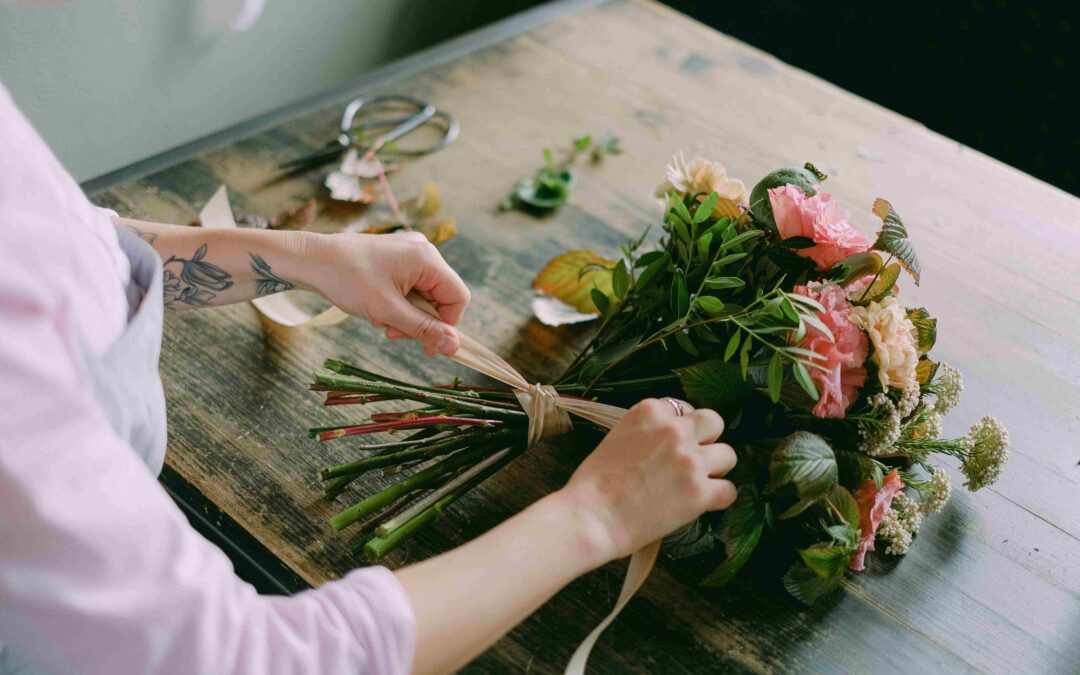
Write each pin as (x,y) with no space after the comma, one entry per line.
(893,337)
(873,504)
(843,358)
(701,176)
(817,218)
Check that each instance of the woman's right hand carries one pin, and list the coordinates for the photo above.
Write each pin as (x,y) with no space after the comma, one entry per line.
(653,473)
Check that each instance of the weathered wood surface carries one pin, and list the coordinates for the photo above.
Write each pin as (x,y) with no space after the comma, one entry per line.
(991,584)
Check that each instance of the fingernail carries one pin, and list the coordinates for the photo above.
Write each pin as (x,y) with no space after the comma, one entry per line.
(446,345)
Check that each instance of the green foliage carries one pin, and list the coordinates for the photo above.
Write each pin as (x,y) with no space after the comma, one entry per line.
(680,294)
(550,187)
(826,560)
(805,462)
(620,280)
(740,532)
(713,384)
(807,586)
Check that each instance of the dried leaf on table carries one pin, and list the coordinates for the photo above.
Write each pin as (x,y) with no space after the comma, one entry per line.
(572,276)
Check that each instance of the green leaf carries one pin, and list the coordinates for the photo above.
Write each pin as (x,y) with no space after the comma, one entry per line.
(804,461)
(710,305)
(680,295)
(732,345)
(686,343)
(802,376)
(925,370)
(776,377)
(620,280)
(744,356)
(807,586)
(816,322)
(655,267)
(925,329)
(726,260)
(845,534)
(805,301)
(883,285)
(703,244)
(581,144)
(681,230)
(893,238)
(713,384)
(826,560)
(858,265)
(788,310)
(648,258)
(724,282)
(845,503)
(679,207)
(600,300)
(740,532)
(705,208)
(740,238)
(549,159)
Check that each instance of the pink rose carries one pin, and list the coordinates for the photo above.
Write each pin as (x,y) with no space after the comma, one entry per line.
(843,359)
(817,218)
(873,504)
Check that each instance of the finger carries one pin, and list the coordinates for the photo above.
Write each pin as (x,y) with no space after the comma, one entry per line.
(723,494)
(676,406)
(436,336)
(720,458)
(440,283)
(708,425)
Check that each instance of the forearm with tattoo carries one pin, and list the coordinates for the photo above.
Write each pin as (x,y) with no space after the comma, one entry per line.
(210,267)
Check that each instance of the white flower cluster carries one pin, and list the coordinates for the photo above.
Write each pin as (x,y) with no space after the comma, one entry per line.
(929,426)
(937,494)
(909,400)
(948,386)
(900,524)
(880,435)
(987,446)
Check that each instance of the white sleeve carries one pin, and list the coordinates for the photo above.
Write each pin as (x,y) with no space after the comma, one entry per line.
(101,573)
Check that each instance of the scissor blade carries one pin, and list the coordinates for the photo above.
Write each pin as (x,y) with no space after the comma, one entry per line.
(321,156)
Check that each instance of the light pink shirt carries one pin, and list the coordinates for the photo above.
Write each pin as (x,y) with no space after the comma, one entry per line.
(99,570)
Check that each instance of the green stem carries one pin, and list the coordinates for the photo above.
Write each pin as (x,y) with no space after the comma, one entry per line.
(379,546)
(421,395)
(418,481)
(444,447)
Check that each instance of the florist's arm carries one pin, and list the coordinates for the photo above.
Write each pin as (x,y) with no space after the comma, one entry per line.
(365,275)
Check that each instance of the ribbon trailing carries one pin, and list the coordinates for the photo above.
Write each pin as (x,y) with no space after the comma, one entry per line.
(549,413)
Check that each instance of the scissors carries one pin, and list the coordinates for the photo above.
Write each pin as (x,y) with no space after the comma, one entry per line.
(361,118)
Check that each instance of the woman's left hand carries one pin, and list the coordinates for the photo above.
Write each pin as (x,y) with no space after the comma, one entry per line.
(371,275)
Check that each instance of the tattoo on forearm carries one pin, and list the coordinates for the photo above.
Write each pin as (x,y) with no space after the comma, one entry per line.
(194,281)
(266,282)
(148,237)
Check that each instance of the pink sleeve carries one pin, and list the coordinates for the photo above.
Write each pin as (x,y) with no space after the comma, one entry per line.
(99,570)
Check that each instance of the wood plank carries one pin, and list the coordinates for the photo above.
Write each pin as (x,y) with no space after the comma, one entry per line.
(991,584)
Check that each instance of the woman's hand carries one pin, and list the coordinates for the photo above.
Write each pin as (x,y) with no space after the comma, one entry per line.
(371,275)
(653,473)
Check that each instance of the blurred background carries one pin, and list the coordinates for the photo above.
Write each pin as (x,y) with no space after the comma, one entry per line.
(110,82)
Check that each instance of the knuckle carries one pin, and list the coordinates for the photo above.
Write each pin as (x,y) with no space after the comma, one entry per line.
(669,430)
(427,327)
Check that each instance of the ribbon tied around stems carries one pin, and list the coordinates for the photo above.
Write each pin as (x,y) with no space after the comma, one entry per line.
(549,413)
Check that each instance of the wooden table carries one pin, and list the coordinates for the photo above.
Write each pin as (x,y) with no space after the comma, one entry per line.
(991,584)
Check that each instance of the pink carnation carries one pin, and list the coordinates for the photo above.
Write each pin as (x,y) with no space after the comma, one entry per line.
(843,359)
(873,504)
(817,218)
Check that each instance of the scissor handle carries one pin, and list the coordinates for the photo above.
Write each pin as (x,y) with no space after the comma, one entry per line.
(424,113)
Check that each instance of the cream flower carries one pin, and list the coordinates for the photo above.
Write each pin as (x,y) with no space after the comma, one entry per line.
(947,387)
(701,176)
(900,524)
(893,337)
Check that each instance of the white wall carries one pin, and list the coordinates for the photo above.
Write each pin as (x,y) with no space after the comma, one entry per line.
(109,82)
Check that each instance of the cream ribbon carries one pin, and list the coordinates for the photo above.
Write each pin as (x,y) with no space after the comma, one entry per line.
(549,413)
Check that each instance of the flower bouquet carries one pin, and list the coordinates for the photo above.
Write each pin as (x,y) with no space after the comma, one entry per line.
(769,307)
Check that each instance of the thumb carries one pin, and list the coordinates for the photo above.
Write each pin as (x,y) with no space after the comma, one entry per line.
(436,336)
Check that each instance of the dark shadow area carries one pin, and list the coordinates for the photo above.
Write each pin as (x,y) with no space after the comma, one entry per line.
(992,74)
